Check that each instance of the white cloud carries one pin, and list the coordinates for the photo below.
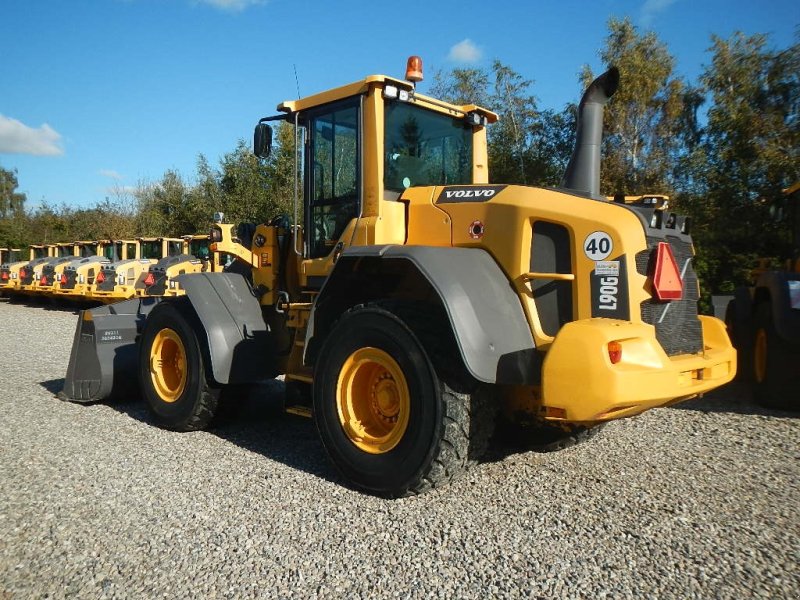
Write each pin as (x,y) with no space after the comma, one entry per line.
(465,51)
(651,8)
(110,173)
(232,5)
(18,138)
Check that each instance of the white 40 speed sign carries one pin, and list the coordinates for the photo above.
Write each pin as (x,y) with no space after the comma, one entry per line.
(598,245)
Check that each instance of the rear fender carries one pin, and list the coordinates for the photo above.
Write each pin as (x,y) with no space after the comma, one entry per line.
(485,314)
(775,284)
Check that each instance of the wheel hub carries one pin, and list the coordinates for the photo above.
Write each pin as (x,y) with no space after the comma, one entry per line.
(373,400)
(168,365)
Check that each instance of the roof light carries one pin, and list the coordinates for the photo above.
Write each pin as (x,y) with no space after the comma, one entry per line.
(404,96)
(414,69)
(477,120)
(667,281)
(390,91)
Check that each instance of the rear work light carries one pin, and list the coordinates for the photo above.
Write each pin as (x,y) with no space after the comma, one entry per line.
(150,279)
(667,282)
(101,277)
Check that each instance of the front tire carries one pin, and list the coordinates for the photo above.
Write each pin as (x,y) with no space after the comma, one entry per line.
(390,425)
(172,373)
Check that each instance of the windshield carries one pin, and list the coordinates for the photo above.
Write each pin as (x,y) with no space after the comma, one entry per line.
(175,248)
(151,250)
(199,248)
(425,148)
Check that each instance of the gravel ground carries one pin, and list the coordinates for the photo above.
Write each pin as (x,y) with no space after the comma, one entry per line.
(699,500)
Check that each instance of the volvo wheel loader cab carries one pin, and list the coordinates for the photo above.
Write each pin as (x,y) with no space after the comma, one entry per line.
(122,279)
(416,298)
(764,318)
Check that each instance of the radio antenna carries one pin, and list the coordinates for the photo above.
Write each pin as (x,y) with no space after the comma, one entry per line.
(296,82)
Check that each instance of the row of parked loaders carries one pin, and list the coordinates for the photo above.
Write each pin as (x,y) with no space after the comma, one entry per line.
(104,271)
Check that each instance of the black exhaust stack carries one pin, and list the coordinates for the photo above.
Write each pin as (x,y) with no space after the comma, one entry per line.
(583,170)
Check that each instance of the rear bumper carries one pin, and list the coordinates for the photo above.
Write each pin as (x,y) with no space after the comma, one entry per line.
(120,292)
(580,384)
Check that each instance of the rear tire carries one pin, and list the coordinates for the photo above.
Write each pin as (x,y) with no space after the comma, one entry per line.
(172,373)
(390,425)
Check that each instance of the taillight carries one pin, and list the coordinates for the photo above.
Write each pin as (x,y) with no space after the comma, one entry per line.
(101,277)
(667,282)
(614,352)
(4,276)
(150,279)
(64,279)
(23,273)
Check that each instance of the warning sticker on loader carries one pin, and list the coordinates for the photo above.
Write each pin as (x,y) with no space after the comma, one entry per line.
(610,290)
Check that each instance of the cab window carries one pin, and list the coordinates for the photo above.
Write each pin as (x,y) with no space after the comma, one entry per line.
(333,175)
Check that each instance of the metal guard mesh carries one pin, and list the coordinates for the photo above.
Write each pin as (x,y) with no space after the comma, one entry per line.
(678,329)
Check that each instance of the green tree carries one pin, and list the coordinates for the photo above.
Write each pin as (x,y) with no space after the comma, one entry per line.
(12,210)
(643,120)
(745,155)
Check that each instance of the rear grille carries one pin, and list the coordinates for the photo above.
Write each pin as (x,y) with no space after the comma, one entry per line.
(678,329)
(71,278)
(107,285)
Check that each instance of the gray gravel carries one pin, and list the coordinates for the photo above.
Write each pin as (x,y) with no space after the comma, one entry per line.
(699,500)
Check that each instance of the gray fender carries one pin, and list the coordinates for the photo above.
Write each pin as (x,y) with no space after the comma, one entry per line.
(786,319)
(485,313)
(238,339)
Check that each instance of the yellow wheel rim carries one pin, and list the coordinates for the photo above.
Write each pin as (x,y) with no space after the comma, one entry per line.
(372,400)
(168,365)
(760,356)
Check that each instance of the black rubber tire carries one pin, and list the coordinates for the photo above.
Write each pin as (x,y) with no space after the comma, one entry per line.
(196,406)
(778,388)
(446,427)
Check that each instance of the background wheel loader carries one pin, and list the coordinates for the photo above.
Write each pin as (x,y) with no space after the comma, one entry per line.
(10,261)
(13,273)
(36,279)
(416,299)
(120,280)
(79,275)
(763,319)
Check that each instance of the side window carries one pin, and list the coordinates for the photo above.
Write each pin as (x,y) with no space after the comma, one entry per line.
(334,176)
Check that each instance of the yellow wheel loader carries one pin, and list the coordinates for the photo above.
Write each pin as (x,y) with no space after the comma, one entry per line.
(37,281)
(53,272)
(122,279)
(11,274)
(79,275)
(416,299)
(195,258)
(10,261)
(764,318)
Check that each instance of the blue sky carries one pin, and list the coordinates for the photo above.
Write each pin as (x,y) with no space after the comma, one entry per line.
(104,94)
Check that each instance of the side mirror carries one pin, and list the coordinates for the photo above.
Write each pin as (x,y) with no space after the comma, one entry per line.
(262,140)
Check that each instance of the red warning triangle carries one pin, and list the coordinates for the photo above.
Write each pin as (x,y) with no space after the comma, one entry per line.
(667,281)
